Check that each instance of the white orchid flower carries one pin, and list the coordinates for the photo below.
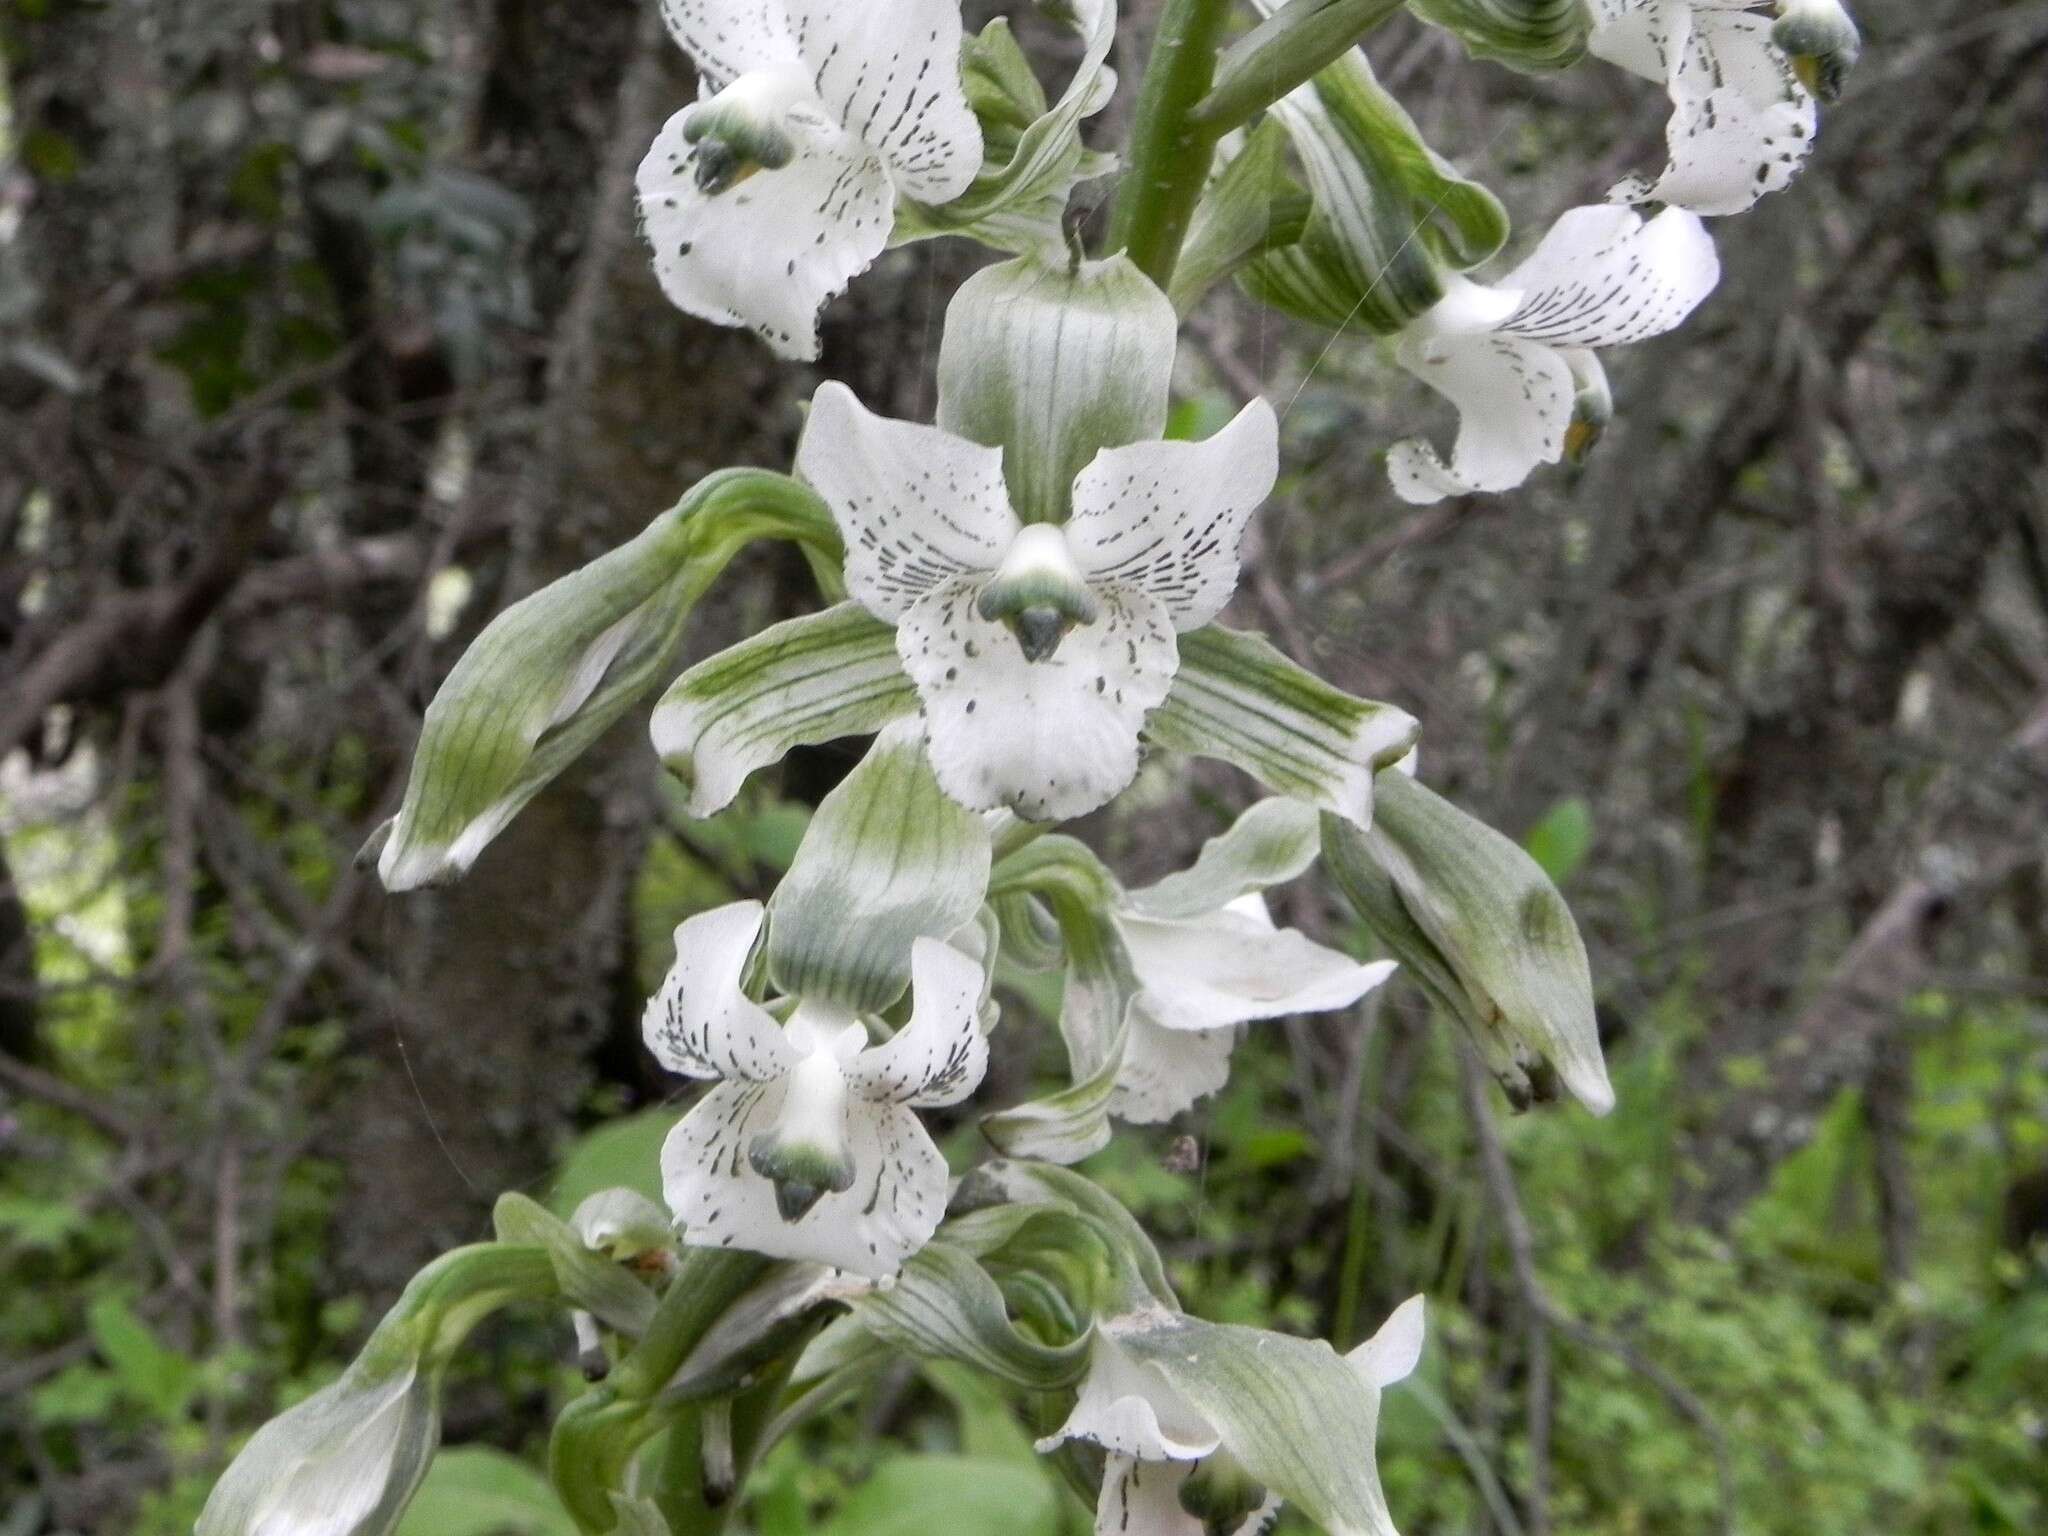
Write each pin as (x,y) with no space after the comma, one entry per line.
(807,1148)
(1203,974)
(1742,90)
(1196,1419)
(1517,358)
(763,200)
(1037,649)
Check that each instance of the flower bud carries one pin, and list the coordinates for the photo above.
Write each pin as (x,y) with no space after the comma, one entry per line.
(347,1460)
(1477,923)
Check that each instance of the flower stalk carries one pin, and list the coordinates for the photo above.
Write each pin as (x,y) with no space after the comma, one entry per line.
(1170,151)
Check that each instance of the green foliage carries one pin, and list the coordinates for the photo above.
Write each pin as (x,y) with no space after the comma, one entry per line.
(477,1491)
(1561,839)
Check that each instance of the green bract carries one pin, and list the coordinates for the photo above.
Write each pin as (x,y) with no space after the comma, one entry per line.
(797,683)
(1389,212)
(551,673)
(1035,156)
(1479,925)
(347,1460)
(1524,34)
(1238,699)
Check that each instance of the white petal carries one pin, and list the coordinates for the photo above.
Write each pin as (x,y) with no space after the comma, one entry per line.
(1741,123)
(1165,1071)
(1466,309)
(939,1056)
(918,506)
(891,1210)
(1392,1354)
(1128,1408)
(1050,739)
(889,70)
(1514,401)
(768,252)
(1231,967)
(727,38)
(1644,37)
(1167,518)
(700,1023)
(1602,277)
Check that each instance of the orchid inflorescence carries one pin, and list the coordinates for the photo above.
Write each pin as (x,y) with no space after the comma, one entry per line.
(1024,599)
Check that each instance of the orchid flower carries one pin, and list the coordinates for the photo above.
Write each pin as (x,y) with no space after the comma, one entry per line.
(1206,1428)
(1742,90)
(807,1148)
(1032,578)
(1037,649)
(1517,358)
(764,199)
(1208,957)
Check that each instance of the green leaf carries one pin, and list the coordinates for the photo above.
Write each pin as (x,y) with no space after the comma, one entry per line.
(1238,699)
(1524,34)
(590,1280)
(552,672)
(161,1379)
(1387,210)
(636,1517)
(1560,840)
(1250,206)
(958,1495)
(1052,364)
(621,1153)
(944,1306)
(477,1491)
(1293,42)
(78,1394)
(889,858)
(1477,919)
(794,684)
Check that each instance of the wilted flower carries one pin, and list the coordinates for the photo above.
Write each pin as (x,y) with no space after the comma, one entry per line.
(807,1148)
(764,199)
(1517,359)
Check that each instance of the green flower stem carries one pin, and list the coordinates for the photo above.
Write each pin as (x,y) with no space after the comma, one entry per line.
(706,1283)
(679,1489)
(594,1442)
(1290,46)
(597,1436)
(1170,153)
